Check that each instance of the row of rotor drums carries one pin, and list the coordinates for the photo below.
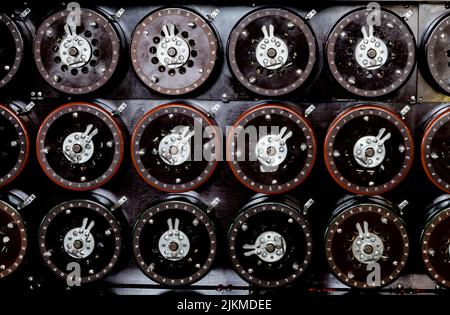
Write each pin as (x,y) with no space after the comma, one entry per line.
(270,51)
(270,243)
(271,148)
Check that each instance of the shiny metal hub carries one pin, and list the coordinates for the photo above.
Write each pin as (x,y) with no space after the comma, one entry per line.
(367,247)
(173,51)
(272,150)
(369,151)
(78,147)
(75,51)
(79,243)
(371,52)
(174,244)
(175,148)
(271,52)
(270,247)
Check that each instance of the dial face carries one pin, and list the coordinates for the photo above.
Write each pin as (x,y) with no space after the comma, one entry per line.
(279,152)
(174,51)
(11,49)
(368,150)
(435,247)
(435,150)
(366,246)
(13,240)
(174,243)
(82,232)
(80,146)
(174,147)
(437,51)
(14,145)
(76,59)
(371,60)
(272,51)
(270,244)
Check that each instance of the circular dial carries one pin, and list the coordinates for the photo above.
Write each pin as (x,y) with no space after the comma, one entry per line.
(174,51)
(371,60)
(368,150)
(270,244)
(11,49)
(272,51)
(437,52)
(13,239)
(174,243)
(271,149)
(14,145)
(82,232)
(173,147)
(366,245)
(80,146)
(76,59)
(435,247)
(435,150)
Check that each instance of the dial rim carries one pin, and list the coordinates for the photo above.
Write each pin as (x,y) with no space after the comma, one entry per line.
(425,149)
(24,140)
(253,211)
(299,22)
(113,126)
(430,45)
(439,218)
(85,204)
(171,108)
(15,32)
(307,131)
(146,216)
(211,37)
(333,130)
(355,210)
(406,72)
(6,208)
(111,68)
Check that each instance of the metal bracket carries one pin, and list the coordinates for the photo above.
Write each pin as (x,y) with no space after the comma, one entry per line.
(27,108)
(119,13)
(214,204)
(308,205)
(407,15)
(309,110)
(402,205)
(120,109)
(213,111)
(119,203)
(311,14)
(30,106)
(25,13)
(28,201)
(405,111)
(213,14)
